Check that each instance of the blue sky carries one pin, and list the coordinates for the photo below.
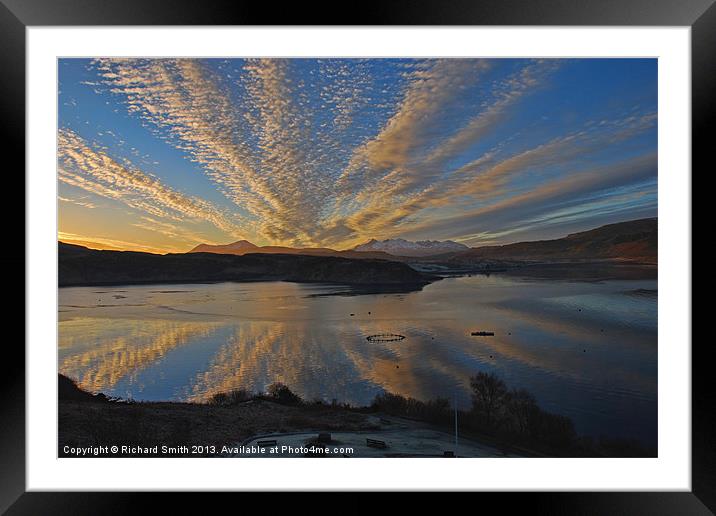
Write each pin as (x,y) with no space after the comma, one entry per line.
(161,154)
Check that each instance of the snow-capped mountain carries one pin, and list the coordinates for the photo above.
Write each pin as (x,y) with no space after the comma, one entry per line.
(402,247)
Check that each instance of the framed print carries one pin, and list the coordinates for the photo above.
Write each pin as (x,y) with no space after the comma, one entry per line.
(441,232)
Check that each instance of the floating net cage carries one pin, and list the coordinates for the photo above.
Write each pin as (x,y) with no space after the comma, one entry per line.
(384,337)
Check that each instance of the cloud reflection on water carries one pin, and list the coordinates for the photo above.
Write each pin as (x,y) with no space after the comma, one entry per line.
(246,336)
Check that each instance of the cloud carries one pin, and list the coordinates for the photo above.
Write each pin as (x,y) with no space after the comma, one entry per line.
(78,202)
(487,178)
(506,94)
(111,244)
(335,151)
(105,364)
(416,162)
(520,210)
(391,160)
(268,153)
(84,166)
(178,232)
(406,135)
(275,178)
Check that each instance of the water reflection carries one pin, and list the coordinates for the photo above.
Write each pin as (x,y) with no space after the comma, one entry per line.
(123,350)
(586,350)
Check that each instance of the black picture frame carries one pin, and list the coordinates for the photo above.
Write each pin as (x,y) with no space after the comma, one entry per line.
(17,15)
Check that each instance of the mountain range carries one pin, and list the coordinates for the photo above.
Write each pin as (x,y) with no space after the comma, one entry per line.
(632,241)
(391,249)
(242,247)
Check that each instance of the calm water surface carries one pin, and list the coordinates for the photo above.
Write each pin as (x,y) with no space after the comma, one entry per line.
(587,350)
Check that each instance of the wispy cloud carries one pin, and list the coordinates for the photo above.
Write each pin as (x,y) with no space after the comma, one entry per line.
(486,179)
(111,244)
(175,231)
(84,166)
(335,151)
(78,202)
(519,211)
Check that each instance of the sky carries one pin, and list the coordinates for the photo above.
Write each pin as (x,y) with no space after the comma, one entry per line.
(160,155)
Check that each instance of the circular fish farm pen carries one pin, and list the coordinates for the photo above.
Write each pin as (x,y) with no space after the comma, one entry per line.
(384,337)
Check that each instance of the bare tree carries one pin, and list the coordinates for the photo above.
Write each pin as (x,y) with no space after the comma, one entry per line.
(522,407)
(489,397)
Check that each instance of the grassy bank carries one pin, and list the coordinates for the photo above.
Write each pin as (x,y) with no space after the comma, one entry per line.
(95,420)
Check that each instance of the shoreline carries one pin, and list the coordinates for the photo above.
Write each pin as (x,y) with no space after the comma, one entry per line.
(548,270)
(92,421)
(377,287)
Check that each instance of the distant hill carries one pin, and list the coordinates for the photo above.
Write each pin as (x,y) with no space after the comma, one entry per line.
(243,247)
(632,241)
(421,248)
(239,247)
(82,266)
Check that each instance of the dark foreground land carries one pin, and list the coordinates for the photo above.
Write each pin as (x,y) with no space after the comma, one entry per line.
(94,420)
(80,266)
(508,420)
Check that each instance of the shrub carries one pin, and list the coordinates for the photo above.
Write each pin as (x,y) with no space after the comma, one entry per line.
(434,411)
(395,404)
(552,429)
(231,397)
(438,411)
(516,415)
(282,394)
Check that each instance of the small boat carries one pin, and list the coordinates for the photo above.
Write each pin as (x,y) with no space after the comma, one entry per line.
(385,337)
(483,334)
